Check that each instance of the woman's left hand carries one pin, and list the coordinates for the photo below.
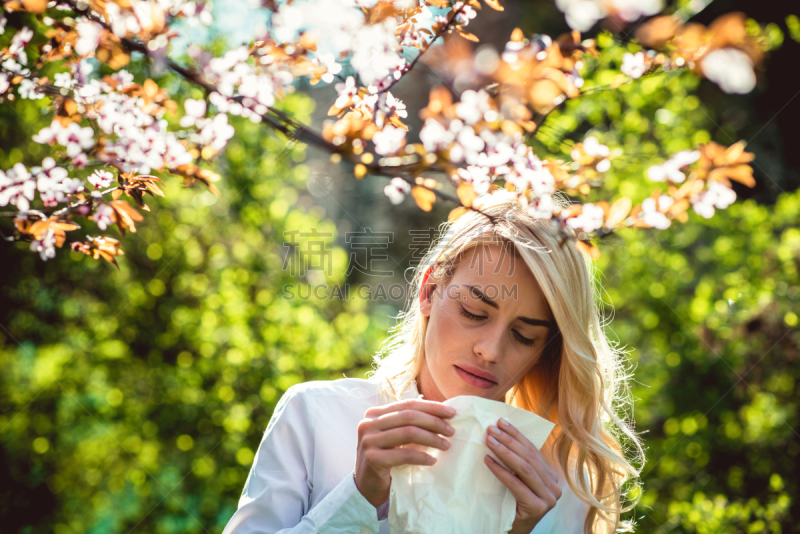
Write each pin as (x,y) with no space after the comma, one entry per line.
(531,480)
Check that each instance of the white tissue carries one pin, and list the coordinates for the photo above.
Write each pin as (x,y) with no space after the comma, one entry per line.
(459,494)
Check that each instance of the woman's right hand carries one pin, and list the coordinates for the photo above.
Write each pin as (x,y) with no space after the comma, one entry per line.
(383,432)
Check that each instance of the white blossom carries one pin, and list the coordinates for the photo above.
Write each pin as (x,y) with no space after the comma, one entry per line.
(329,62)
(63,80)
(581,15)
(542,207)
(634,65)
(30,89)
(477,176)
(376,51)
(194,110)
(389,140)
(670,169)
(651,212)
(473,105)
(592,147)
(396,190)
(51,181)
(103,216)
(347,92)
(4,83)
(46,245)
(19,42)
(17,187)
(88,37)
(470,144)
(716,196)
(388,104)
(435,136)
(101,178)
(590,219)
(466,14)
(731,69)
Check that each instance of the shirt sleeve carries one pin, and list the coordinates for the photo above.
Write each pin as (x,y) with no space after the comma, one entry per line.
(276,496)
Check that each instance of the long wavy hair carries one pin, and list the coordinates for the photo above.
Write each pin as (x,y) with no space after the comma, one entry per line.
(580,382)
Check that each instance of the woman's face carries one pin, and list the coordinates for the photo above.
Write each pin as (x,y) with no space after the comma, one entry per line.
(489,319)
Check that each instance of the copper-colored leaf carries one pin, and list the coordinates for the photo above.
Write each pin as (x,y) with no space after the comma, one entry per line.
(35,6)
(618,211)
(657,31)
(494,4)
(542,95)
(741,173)
(466,194)
(424,198)
(588,248)
(456,213)
(468,36)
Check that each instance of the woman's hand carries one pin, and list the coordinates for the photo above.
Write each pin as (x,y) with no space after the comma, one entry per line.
(531,480)
(383,432)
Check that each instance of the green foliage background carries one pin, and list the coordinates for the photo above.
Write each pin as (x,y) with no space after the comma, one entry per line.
(133,400)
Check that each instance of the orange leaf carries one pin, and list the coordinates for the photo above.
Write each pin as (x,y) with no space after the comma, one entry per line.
(657,31)
(468,36)
(741,173)
(35,6)
(494,4)
(456,213)
(618,211)
(423,197)
(588,248)
(466,194)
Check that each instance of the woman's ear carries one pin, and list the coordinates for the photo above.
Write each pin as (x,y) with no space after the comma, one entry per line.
(426,292)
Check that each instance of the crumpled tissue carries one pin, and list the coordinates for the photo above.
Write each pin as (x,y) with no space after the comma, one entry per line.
(459,494)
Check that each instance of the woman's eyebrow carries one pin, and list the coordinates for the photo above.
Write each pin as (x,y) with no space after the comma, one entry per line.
(480,296)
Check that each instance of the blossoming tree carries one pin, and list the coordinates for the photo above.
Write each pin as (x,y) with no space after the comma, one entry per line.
(111,131)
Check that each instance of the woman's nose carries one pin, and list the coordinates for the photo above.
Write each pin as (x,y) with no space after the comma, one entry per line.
(489,346)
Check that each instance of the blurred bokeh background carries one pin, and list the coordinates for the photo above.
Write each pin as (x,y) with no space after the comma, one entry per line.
(133,400)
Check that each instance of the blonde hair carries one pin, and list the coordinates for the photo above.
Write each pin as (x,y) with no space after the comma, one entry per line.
(580,382)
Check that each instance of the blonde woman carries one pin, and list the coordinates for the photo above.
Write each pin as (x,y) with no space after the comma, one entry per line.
(502,309)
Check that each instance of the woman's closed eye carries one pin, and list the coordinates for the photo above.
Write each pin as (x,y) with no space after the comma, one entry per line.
(473,317)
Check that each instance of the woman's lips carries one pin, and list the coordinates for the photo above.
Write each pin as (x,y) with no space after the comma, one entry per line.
(474,380)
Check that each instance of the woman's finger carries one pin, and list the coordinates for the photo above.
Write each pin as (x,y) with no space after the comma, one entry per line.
(385,458)
(432,407)
(405,435)
(410,417)
(524,448)
(522,469)
(526,499)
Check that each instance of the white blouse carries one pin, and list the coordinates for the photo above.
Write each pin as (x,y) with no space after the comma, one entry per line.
(301,481)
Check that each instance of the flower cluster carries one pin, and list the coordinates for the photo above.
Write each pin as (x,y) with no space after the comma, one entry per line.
(108,134)
(725,52)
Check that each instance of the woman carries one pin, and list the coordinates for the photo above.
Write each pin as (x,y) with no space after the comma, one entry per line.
(503,309)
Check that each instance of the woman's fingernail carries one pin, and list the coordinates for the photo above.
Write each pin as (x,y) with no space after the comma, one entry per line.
(450,410)
(493,441)
(504,423)
(494,430)
(449,428)
(446,444)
